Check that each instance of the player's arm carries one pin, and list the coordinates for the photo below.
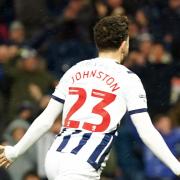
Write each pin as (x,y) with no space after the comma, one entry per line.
(154,141)
(39,127)
(135,98)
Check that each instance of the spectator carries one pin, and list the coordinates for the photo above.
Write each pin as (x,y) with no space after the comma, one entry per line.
(25,112)
(4,174)
(34,17)
(115,7)
(174,113)
(175,89)
(17,33)
(142,21)
(101,9)
(30,81)
(128,151)
(159,55)
(56,7)
(5,84)
(31,175)
(111,170)
(157,79)
(171,20)
(114,3)
(7,11)
(3,32)
(136,62)
(27,161)
(12,135)
(70,46)
(133,35)
(145,44)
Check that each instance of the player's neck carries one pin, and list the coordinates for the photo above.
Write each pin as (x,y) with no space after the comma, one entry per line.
(115,56)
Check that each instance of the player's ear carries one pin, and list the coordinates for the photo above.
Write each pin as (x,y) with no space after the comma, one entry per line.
(122,48)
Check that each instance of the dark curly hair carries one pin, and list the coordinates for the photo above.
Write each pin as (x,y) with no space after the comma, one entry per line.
(110,32)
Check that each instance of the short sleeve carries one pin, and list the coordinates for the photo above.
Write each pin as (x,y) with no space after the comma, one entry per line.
(135,95)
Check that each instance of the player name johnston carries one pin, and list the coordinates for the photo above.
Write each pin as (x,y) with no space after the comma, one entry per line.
(110,81)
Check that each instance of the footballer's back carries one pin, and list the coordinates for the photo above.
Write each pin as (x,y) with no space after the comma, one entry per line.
(93,100)
(96,94)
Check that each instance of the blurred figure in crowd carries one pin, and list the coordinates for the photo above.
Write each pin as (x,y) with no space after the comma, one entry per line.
(128,148)
(171,136)
(30,80)
(175,88)
(133,35)
(145,41)
(170,20)
(159,55)
(27,161)
(136,62)
(174,113)
(4,174)
(25,111)
(109,7)
(32,16)
(31,175)
(24,114)
(3,32)
(115,7)
(142,21)
(70,43)
(5,84)
(17,34)
(157,79)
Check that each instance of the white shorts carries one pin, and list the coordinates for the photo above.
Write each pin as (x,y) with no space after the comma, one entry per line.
(67,166)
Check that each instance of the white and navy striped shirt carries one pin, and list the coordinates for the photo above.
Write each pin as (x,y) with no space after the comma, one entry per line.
(96,94)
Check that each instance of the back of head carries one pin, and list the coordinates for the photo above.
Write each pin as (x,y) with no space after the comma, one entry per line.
(110,32)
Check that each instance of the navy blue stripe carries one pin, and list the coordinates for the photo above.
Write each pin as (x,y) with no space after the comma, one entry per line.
(137,111)
(101,160)
(58,99)
(82,142)
(64,143)
(66,140)
(92,159)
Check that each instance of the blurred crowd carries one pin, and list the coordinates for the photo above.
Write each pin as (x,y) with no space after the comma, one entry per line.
(41,40)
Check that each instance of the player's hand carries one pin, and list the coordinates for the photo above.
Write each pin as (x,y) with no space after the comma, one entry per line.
(4,162)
